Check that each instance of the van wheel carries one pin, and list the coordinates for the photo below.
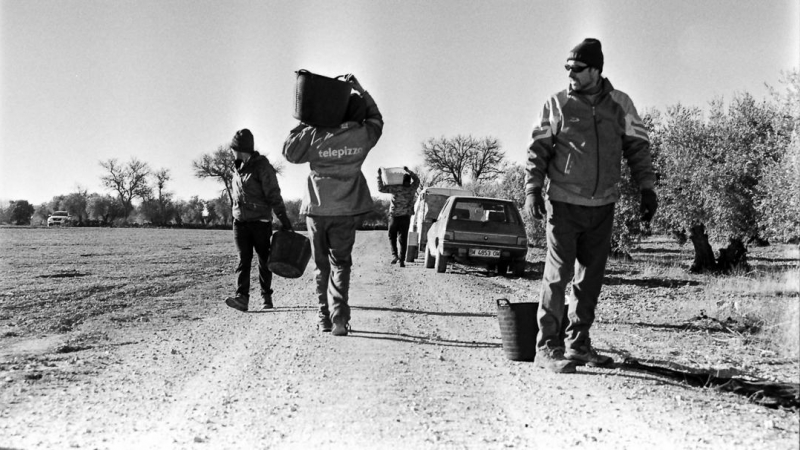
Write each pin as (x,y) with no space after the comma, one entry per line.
(502,268)
(519,268)
(429,260)
(441,262)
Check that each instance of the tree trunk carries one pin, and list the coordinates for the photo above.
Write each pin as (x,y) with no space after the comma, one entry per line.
(703,253)
(733,256)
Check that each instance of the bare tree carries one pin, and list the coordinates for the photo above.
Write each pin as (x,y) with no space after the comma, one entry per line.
(217,165)
(164,198)
(128,181)
(459,157)
(448,157)
(427,177)
(486,160)
(220,165)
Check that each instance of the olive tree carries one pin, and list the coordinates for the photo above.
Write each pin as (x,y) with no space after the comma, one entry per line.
(778,203)
(710,173)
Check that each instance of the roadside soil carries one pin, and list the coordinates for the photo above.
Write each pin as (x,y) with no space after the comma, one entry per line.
(423,367)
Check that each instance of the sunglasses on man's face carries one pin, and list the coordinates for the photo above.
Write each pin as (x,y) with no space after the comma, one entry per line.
(576,69)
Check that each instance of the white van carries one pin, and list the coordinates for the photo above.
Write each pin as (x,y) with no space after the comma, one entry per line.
(429,204)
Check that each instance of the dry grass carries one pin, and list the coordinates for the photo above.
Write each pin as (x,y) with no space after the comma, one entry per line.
(768,303)
(759,307)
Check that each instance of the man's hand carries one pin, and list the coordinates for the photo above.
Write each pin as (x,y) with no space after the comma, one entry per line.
(534,204)
(286,224)
(649,205)
(350,78)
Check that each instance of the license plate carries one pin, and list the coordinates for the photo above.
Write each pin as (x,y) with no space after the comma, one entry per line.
(484,252)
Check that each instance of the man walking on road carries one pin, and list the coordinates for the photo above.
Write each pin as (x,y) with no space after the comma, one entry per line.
(400,211)
(336,198)
(256,194)
(578,145)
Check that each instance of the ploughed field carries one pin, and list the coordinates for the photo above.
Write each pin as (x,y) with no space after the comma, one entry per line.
(118,338)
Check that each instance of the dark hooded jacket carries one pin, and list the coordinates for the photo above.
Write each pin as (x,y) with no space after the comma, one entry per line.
(256,193)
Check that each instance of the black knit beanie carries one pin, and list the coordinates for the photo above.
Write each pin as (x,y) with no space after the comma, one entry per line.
(356,109)
(242,141)
(588,52)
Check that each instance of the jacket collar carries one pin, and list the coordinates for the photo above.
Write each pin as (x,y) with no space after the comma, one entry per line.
(605,88)
(249,162)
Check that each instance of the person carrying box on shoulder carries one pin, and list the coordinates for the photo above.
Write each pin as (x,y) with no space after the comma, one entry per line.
(336,198)
(400,211)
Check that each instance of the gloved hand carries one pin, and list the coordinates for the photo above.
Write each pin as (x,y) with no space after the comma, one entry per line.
(379,171)
(534,204)
(649,205)
(406,169)
(350,78)
(286,224)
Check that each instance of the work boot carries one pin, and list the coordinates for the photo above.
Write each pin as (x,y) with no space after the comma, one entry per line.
(552,359)
(394,259)
(238,302)
(324,324)
(267,300)
(402,263)
(586,355)
(340,327)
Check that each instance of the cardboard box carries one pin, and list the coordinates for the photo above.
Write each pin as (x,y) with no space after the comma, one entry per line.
(392,176)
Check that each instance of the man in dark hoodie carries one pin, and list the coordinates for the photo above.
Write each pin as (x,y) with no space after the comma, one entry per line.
(256,194)
(578,144)
(336,199)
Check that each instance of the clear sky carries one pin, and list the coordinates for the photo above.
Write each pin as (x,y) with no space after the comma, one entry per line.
(166,81)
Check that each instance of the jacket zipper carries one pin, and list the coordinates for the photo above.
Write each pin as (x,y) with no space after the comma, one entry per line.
(597,151)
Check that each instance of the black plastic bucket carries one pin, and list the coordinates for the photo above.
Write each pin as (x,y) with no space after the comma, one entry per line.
(518,328)
(319,100)
(289,254)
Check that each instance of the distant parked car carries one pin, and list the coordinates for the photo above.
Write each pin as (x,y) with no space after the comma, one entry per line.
(480,230)
(429,203)
(59,218)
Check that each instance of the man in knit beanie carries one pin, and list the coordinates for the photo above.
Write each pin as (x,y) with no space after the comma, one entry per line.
(578,145)
(256,195)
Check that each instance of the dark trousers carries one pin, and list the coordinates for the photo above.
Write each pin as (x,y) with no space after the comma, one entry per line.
(332,239)
(578,242)
(398,225)
(251,236)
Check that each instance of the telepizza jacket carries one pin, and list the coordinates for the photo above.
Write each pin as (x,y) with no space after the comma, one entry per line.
(579,145)
(336,186)
(256,192)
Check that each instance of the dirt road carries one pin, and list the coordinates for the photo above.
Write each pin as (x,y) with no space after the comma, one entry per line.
(422,369)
